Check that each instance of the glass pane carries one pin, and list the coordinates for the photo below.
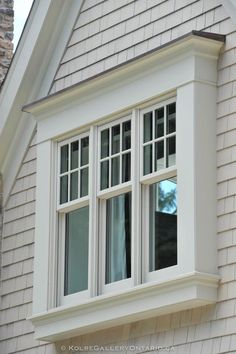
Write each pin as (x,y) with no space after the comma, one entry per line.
(159,122)
(171,122)
(104,143)
(163,225)
(74,155)
(147,132)
(126,138)
(115,134)
(115,171)
(74,186)
(84,151)
(84,182)
(64,158)
(104,174)
(147,159)
(159,155)
(118,238)
(171,151)
(63,189)
(126,162)
(76,251)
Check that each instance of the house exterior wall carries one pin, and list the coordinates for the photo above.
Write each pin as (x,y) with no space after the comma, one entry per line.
(16,333)
(108,33)
(209,329)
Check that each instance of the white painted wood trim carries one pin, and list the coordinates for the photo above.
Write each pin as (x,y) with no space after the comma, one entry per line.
(140,302)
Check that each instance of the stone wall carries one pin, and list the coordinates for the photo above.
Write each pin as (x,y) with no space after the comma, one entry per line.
(6,36)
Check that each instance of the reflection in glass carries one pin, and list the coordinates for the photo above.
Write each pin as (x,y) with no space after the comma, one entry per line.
(84,182)
(147,159)
(74,186)
(63,189)
(159,122)
(126,138)
(104,174)
(76,251)
(159,155)
(115,133)
(147,132)
(171,151)
(118,238)
(126,167)
(104,143)
(115,171)
(171,123)
(64,158)
(74,155)
(84,151)
(163,224)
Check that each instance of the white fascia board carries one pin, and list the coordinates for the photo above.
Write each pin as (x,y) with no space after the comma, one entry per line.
(141,302)
(230,7)
(30,75)
(163,57)
(122,89)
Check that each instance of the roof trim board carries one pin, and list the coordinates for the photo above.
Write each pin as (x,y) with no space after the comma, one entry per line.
(37,105)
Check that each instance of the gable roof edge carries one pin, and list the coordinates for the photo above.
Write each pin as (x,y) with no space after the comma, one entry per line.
(28,77)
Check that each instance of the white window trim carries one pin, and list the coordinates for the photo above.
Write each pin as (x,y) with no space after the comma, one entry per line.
(187,69)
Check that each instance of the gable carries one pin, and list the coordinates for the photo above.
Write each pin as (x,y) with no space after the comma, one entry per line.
(108,33)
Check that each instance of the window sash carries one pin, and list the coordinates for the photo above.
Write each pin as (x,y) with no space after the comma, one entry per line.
(79,170)
(97,206)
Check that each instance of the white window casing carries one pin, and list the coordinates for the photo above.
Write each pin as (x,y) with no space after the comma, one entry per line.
(185,71)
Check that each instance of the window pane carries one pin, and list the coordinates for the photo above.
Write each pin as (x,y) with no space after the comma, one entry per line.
(84,151)
(84,182)
(104,174)
(147,133)
(115,171)
(115,133)
(104,143)
(159,155)
(147,159)
(118,238)
(74,186)
(163,225)
(126,138)
(171,123)
(126,163)
(76,251)
(74,154)
(159,122)
(171,151)
(63,189)
(64,159)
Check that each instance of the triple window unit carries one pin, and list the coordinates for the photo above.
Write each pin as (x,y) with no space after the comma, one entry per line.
(117,200)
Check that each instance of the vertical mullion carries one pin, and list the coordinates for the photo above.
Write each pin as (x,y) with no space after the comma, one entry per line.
(121,142)
(136,244)
(69,174)
(79,167)
(153,144)
(109,161)
(165,133)
(93,267)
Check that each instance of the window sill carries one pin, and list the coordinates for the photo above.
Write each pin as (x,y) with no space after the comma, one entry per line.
(141,302)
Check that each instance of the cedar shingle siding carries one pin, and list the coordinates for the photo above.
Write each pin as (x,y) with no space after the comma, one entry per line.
(106,34)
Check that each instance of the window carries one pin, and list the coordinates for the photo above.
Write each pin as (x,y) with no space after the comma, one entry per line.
(73,215)
(130,194)
(114,181)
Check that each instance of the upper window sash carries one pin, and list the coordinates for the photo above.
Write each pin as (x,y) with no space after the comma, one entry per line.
(114,155)
(158,139)
(73,171)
